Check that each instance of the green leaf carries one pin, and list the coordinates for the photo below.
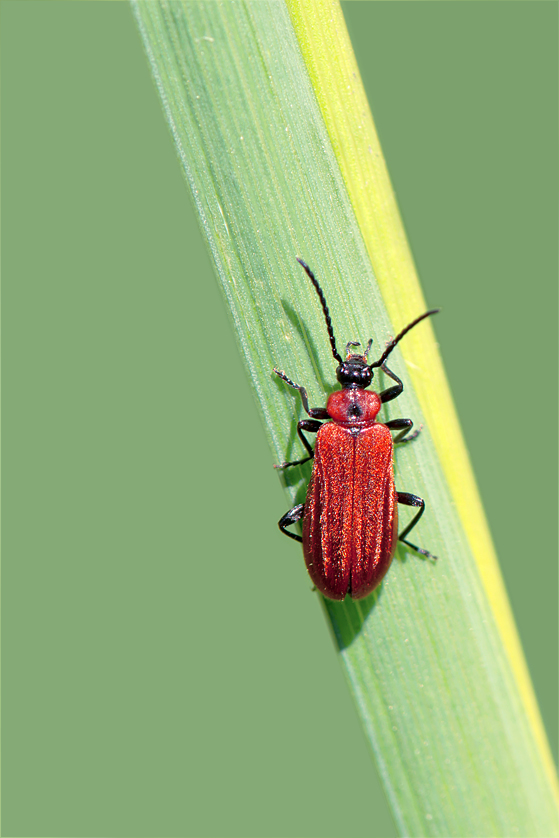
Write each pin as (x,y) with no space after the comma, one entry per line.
(273,132)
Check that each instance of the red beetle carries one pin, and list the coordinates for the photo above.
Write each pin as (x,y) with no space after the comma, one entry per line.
(350,515)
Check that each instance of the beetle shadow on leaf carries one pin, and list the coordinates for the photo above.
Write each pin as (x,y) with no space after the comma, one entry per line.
(295,449)
(348,617)
(298,476)
(310,342)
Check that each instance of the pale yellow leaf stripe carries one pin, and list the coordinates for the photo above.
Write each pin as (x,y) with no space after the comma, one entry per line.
(327,51)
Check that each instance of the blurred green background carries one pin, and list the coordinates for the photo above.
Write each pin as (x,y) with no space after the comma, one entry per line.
(149,684)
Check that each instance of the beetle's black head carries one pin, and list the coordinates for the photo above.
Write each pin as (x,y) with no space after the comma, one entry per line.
(354,372)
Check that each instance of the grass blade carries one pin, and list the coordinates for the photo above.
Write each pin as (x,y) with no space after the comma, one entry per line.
(264,137)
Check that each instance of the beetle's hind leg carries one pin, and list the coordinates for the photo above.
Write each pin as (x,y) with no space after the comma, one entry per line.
(311,426)
(407,425)
(407,499)
(292,517)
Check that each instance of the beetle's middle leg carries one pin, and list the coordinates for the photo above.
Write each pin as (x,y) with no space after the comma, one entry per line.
(311,426)
(407,425)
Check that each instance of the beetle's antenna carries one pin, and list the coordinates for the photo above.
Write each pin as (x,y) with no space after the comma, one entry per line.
(322,298)
(399,337)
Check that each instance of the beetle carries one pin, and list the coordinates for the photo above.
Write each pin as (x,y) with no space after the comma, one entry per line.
(350,515)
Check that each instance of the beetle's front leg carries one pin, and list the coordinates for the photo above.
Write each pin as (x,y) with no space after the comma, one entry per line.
(311,426)
(391,392)
(292,517)
(314,412)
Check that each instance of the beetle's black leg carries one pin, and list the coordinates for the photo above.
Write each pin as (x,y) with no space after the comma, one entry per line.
(413,500)
(314,412)
(292,517)
(311,426)
(407,425)
(392,392)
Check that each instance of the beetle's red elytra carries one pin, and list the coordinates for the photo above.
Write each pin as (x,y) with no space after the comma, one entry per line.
(350,515)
